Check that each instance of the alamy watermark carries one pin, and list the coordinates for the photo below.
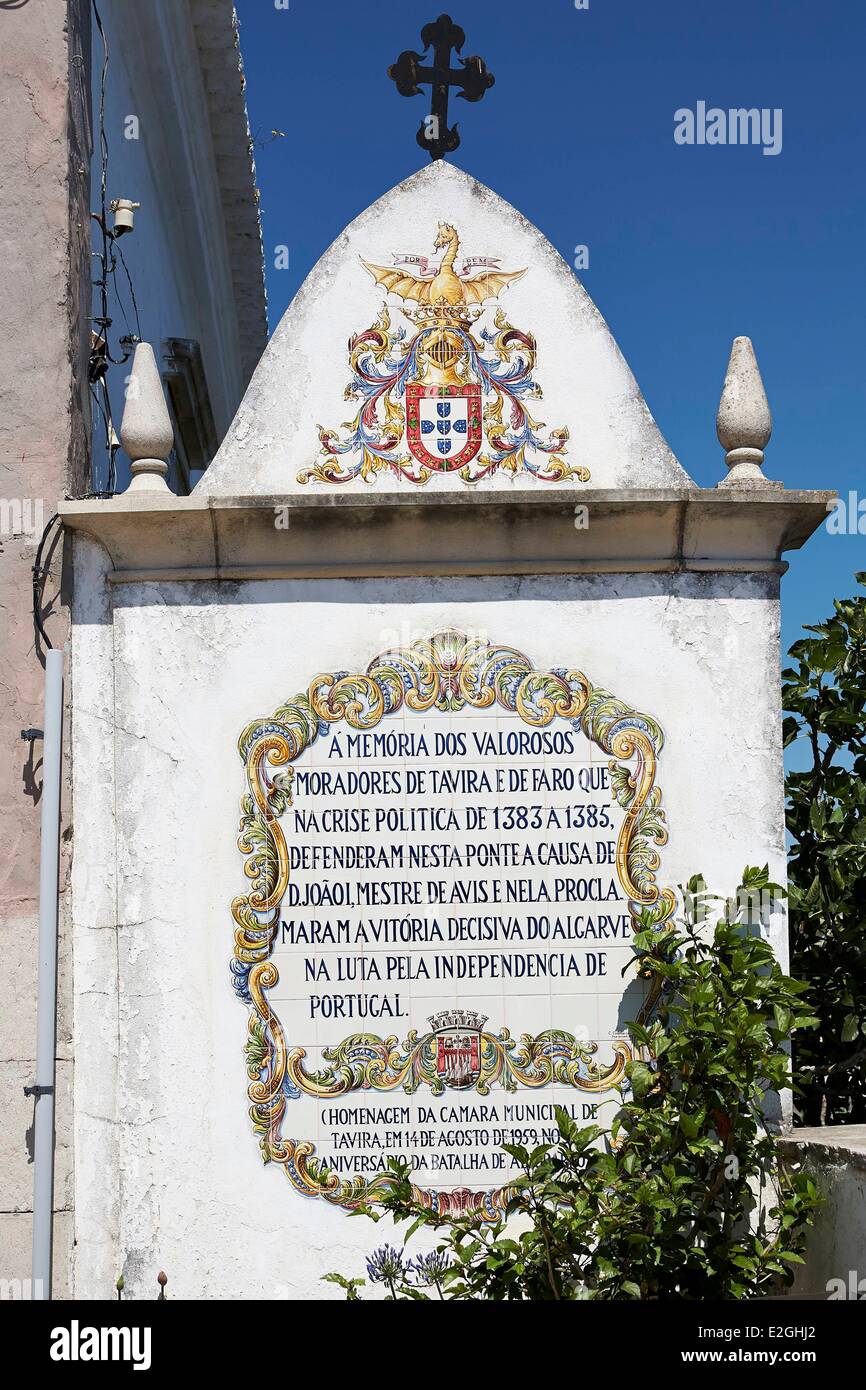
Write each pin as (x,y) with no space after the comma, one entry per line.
(737,126)
(77,1343)
(22,517)
(749,906)
(20,1290)
(846,517)
(852,1289)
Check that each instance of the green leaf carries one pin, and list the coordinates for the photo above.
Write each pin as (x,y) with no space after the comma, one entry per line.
(850,1028)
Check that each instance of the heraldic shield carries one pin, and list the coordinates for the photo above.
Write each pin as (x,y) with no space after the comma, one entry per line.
(443,425)
(448,393)
(457,1036)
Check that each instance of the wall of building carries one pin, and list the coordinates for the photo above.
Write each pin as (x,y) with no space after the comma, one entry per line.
(835,1265)
(44,432)
(169,1173)
(161,153)
(195,258)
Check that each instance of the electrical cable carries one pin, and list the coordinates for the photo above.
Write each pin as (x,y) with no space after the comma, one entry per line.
(38,577)
(112,445)
(131,290)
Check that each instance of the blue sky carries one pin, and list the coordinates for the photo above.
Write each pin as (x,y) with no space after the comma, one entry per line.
(689,246)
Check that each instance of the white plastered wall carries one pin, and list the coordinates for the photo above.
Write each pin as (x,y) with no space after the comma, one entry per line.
(168,1171)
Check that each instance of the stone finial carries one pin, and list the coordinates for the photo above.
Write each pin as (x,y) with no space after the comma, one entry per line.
(744,423)
(145,432)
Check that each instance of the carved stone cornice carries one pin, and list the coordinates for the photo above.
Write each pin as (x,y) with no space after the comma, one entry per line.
(522,532)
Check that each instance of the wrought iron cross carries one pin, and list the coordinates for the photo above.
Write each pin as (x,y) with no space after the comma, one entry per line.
(434,134)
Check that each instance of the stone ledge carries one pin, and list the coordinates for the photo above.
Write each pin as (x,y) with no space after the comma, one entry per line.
(649,530)
(845,1143)
(835,1156)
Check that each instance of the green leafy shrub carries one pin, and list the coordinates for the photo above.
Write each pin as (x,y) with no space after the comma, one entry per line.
(684,1195)
(825,700)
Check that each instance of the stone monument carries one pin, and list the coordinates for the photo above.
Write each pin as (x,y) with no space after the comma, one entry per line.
(385,737)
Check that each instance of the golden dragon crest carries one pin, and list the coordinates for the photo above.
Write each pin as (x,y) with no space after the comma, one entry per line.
(446,289)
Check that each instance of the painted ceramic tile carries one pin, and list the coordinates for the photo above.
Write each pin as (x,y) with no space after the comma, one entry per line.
(449,393)
(443,885)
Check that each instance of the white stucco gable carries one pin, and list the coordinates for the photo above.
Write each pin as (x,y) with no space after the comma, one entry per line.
(300,385)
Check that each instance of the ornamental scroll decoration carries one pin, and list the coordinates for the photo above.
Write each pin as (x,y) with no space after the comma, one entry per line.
(447,671)
(448,395)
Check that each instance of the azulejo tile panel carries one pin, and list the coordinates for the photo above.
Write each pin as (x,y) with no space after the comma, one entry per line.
(444,879)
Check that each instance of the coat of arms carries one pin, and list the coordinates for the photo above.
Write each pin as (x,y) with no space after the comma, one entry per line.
(447,397)
(457,1037)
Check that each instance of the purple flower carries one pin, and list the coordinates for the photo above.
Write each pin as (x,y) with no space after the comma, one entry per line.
(430,1269)
(385,1265)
